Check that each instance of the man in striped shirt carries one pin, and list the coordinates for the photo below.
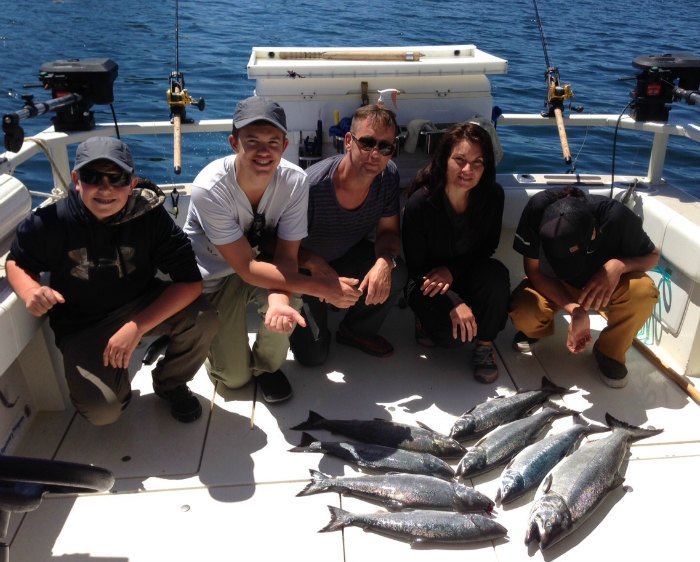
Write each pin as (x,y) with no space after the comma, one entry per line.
(353,232)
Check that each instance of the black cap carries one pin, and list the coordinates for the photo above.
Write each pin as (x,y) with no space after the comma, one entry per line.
(565,235)
(257,108)
(104,148)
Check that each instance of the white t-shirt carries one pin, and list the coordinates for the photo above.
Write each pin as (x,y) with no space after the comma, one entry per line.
(220,213)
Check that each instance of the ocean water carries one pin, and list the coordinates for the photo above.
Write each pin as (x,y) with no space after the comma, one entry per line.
(593,44)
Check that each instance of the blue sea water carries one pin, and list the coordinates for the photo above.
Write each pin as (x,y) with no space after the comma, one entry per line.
(593,44)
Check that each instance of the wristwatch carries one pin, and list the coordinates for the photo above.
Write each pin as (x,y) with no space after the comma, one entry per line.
(391,258)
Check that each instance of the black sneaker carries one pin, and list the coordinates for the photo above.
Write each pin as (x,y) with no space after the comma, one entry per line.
(274,386)
(485,368)
(184,406)
(613,373)
(523,344)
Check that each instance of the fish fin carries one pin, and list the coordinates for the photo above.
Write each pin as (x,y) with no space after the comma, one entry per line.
(339,519)
(546,483)
(310,422)
(636,432)
(306,440)
(617,481)
(563,410)
(549,386)
(498,497)
(317,484)
(421,424)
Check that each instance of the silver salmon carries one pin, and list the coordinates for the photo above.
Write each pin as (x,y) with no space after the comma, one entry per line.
(420,526)
(403,491)
(378,457)
(388,433)
(529,467)
(483,417)
(578,484)
(505,441)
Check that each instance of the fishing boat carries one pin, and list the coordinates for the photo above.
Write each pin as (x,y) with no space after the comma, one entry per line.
(224,487)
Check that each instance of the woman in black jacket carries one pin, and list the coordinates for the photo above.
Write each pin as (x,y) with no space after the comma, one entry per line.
(451,228)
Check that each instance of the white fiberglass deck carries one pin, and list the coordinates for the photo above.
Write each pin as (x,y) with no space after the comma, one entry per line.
(223,488)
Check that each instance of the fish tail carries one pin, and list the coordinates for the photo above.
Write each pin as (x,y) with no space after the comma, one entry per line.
(549,386)
(311,422)
(304,445)
(636,433)
(562,410)
(339,520)
(319,483)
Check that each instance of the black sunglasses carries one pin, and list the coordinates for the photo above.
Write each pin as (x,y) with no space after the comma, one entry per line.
(368,144)
(93,177)
(255,232)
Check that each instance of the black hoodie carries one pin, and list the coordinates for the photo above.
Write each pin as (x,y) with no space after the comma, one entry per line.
(102,266)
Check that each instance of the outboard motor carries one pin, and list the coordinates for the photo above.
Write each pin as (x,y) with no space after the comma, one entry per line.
(664,79)
(76,85)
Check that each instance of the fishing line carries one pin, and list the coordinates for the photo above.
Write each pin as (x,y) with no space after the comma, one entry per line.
(177,36)
(542,37)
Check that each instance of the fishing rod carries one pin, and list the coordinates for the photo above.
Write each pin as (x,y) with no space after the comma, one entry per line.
(179,98)
(556,95)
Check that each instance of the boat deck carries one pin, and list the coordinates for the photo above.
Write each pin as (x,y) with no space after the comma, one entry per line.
(224,487)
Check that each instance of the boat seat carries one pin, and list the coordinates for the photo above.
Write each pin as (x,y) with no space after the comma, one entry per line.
(25,481)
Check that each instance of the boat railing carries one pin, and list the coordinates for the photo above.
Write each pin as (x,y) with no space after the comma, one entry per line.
(55,146)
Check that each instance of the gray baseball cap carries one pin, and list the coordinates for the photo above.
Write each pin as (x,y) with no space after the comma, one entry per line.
(104,148)
(257,108)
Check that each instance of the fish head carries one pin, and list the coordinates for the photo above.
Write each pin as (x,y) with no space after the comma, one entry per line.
(468,500)
(464,426)
(473,462)
(512,486)
(549,521)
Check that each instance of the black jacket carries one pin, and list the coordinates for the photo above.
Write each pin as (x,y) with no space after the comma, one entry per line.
(433,235)
(101,266)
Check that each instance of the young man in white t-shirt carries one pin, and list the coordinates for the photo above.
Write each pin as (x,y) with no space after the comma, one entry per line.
(247,217)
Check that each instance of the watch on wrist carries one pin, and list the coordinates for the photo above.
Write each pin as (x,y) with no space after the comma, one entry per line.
(391,258)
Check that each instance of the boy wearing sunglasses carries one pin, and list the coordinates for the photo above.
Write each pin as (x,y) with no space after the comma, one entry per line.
(354,232)
(102,247)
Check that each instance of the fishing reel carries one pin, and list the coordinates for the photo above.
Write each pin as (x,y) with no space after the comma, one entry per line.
(76,85)
(663,80)
(179,98)
(557,94)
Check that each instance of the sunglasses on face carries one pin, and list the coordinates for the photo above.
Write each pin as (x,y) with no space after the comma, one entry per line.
(368,144)
(93,177)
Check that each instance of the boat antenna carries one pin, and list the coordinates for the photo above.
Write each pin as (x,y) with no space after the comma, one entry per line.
(556,95)
(178,98)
